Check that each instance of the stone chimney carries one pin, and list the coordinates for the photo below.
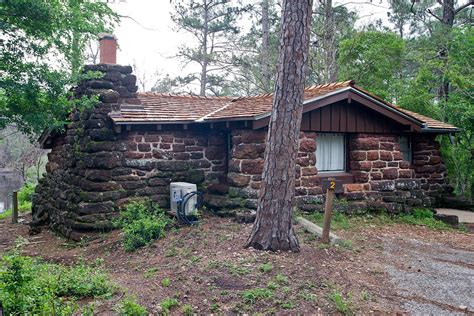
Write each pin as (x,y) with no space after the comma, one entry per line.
(108,49)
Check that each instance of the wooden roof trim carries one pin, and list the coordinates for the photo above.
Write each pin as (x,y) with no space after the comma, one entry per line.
(354,94)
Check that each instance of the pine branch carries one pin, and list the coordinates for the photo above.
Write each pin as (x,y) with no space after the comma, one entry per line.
(462,7)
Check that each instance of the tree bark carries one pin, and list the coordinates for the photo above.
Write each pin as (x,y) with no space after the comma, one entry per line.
(204,60)
(448,22)
(272,229)
(329,43)
(265,48)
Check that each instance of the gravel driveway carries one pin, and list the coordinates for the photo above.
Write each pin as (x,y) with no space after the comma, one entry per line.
(432,279)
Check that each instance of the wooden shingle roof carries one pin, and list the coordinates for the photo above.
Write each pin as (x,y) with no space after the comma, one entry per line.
(159,108)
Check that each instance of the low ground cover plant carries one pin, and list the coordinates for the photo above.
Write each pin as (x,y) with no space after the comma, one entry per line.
(129,306)
(418,216)
(30,286)
(142,222)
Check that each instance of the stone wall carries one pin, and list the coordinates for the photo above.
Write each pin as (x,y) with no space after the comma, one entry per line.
(429,168)
(382,179)
(94,168)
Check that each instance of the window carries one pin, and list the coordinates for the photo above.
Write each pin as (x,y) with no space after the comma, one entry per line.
(405,147)
(330,152)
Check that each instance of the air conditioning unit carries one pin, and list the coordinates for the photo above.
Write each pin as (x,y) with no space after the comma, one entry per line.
(177,191)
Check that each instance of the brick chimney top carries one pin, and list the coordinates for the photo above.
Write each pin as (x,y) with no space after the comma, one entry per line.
(108,48)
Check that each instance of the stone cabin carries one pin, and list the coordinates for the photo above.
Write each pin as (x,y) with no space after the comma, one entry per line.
(134,144)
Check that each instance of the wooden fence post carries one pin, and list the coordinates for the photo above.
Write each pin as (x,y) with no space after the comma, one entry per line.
(15,208)
(327,212)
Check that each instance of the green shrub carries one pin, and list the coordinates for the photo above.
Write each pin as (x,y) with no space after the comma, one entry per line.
(25,197)
(142,222)
(6,214)
(29,286)
(129,307)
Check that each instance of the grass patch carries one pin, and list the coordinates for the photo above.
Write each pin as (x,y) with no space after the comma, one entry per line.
(148,274)
(237,269)
(281,279)
(423,217)
(168,304)
(342,304)
(166,282)
(338,220)
(341,221)
(187,310)
(254,295)
(129,306)
(29,286)
(265,267)
(142,222)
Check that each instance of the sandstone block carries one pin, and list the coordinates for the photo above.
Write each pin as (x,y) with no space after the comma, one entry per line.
(386,156)
(251,136)
(390,173)
(360,176)
(353,187)
(358,155)
(307,145)
(248,151)
(386,146)
(252,166)
(215,153)
(238,180)
(373,155)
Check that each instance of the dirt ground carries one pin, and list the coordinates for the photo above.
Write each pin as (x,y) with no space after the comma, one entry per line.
(380,269)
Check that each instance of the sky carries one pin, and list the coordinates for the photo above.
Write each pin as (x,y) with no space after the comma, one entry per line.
(149,39)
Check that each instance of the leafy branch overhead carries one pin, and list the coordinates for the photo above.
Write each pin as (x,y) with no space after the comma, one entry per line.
(41,53)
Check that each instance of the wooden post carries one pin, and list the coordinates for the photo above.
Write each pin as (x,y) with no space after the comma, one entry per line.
(15,208)
(327,212)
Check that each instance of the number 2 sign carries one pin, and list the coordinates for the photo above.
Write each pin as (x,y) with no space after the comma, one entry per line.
(335,185)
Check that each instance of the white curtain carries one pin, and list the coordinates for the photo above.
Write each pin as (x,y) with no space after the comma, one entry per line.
(330,153)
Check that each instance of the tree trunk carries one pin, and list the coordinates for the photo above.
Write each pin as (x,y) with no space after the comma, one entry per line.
(329,43)
(265,48)
(448,13)
(448,22)
(204,60)
(272,229)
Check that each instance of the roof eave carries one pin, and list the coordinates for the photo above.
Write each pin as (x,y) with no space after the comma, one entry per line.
(151,122)
(440,130)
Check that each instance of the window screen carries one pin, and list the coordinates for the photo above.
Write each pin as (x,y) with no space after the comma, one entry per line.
(405,147)
(330,152)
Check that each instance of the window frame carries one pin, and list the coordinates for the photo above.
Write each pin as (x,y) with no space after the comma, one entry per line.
(345,163)
(409,149)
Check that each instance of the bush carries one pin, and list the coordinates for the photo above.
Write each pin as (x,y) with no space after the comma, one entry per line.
(25,197)
(31,287)
(142,222)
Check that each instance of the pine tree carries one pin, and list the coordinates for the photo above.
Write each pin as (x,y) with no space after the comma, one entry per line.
(273,228)
(212,23)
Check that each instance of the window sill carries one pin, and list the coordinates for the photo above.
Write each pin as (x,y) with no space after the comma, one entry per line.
(345,177)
